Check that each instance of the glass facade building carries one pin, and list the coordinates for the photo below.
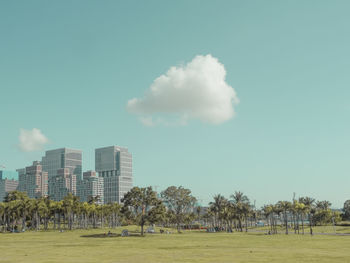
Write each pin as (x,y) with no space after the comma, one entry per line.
(91,187)
(63,183)
(114,165)
(62,158)
(64,168)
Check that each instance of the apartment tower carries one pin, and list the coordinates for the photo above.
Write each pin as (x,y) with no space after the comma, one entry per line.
(64,168)
(114,165)
(33,180)
(91,187)
(8,183)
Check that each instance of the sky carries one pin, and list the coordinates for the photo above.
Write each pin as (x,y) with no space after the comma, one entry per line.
(216,96)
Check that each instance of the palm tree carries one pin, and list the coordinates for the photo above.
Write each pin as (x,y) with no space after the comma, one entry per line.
(216,207)
(323,205)
(3,215)
(241,203)
(68,203)
(25,208)
(59,210)
(267,211)
(285,207)
(85,214)
(13,213)
(93,215)
(295,215)
(42,212)
(309,203)
(277,210)
(198,212)
(301,210)
(247,211)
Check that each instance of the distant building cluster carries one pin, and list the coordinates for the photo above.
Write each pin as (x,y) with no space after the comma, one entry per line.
(60,172)
(8,182)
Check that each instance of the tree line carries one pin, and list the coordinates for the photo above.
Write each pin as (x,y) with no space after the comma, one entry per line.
(174,207)
(238,213)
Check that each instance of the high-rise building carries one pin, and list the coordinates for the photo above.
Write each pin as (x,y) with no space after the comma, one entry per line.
(33,181)
(21,171)
(91,187)
(63,183)
(64,168)
(114,165)
(8,183)
(62,158)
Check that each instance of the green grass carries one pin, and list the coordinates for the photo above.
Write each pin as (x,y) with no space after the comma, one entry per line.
(317,229)
(194,246)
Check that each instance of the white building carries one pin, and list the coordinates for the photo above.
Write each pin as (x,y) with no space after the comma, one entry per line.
(91,187)
(114,165)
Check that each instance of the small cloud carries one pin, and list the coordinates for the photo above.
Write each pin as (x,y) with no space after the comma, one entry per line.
(31,140)
(197,90)
(147,121)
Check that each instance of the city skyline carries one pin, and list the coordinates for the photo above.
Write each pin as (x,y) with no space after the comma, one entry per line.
(85,75)
(60,173)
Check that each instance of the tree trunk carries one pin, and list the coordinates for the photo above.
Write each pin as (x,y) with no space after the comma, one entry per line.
(37,221)
(310,224)
(70,220)
(286,222)
(59,221)
(24,222)
(302,222)
(54,221)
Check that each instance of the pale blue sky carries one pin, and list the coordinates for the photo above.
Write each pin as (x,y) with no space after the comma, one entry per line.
(69,68)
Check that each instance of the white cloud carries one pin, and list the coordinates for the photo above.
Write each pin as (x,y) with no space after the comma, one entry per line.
(197,90)
(147,121)
(31,140)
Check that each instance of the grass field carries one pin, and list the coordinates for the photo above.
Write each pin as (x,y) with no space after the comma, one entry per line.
(318,229)
(84,246)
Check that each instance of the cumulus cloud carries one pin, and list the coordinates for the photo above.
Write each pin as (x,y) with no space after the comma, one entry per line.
(31,140)
(197,90)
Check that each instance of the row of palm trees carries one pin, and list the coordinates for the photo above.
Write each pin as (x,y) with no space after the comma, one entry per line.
(19,213)
(229,214)
(297,212)
(236,212)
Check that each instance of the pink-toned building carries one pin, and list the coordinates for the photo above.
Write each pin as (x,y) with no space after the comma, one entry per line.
(34,181)
(8,183)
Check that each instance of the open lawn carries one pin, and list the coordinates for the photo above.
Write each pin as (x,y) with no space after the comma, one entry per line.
(93,246)
(316,229)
